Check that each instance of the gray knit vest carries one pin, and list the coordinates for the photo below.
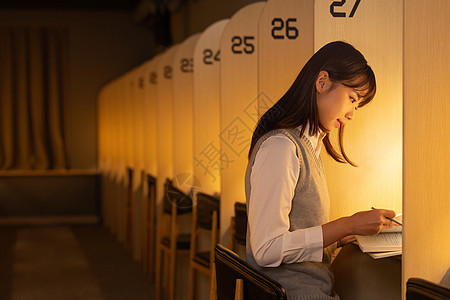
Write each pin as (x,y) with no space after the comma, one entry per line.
(310,207)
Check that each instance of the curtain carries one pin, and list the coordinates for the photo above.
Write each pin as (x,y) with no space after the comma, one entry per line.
(33,65)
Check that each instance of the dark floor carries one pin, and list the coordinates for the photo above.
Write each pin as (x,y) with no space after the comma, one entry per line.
(67,262)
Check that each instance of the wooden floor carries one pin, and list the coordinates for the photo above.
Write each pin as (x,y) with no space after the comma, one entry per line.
(67,262)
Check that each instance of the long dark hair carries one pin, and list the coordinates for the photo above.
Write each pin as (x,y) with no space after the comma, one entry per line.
(298,106)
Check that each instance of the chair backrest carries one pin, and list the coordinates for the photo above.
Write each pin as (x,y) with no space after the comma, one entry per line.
(256,285)
(151,180)
(174,195)
(206,205)
(420,289)
(240,223)
(151,185)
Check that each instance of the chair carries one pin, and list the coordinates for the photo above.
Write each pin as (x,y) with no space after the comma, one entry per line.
(170,243)
(420,289)
(148,227)
(238,227)
(205,218)
(235,279)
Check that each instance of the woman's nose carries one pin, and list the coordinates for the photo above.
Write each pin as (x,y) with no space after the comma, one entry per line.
(350,114)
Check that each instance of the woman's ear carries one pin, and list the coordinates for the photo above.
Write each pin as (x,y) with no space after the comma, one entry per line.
(322,81)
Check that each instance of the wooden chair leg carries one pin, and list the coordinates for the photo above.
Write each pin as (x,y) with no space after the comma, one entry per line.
(213,282)
(150,227)
(166,275)
(158,274)
(172,274)
(231,242)
(151,259)
(191,282)
(144,233)
(239,292)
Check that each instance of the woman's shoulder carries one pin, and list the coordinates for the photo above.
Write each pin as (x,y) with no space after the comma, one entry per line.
(279,140)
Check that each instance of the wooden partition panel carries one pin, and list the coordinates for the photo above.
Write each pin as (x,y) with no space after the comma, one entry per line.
(164,134)
(206,114)
(125,154)
(107,137)
(286,37)
(115,128)
(183,85)
(102,150)
(102,128)
(121,144)
(426,128)
(164,121)
(373,140)
(118,147)
(138,100)
(147,83)
(206,109)
(149,107)
(128,105)
(183,148)
(238,106)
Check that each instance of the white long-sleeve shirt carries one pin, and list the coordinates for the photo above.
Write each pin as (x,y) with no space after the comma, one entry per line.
(270,204)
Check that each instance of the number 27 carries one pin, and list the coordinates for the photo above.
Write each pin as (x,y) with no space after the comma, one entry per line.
(342,14)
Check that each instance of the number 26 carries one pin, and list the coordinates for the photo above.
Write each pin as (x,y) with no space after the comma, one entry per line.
(278,24)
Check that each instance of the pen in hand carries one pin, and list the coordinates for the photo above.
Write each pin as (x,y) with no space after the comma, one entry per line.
(393,220)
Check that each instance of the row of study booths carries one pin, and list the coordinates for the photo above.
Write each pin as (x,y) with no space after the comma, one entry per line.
(188,113)
(131,215)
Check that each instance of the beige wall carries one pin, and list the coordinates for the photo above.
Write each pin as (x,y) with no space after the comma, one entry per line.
(426,160)
(103,45)
(196,15)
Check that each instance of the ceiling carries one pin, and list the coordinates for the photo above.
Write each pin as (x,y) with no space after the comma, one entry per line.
(92,5)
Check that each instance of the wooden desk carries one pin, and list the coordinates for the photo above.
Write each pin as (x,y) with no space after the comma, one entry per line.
(359,276)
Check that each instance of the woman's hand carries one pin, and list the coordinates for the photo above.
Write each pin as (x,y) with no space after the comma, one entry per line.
(362,223)
(344,241)
(371,222)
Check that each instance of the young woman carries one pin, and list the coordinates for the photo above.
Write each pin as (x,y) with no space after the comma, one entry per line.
(289,235)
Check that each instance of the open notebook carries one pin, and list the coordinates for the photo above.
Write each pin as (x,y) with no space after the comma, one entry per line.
(385,244)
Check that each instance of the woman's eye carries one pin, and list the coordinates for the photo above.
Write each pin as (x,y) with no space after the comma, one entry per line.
(353,101)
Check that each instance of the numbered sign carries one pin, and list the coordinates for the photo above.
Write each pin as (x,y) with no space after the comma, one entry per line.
(286,37)
(374,138)
(164,121)
(207,153)
(239,105)
(183,85)
(426,148)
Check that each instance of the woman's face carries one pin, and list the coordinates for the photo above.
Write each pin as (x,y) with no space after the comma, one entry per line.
(336,104)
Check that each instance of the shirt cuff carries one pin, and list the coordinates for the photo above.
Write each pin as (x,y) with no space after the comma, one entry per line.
(314,244)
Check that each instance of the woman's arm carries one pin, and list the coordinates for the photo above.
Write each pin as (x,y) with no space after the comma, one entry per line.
(361,223)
